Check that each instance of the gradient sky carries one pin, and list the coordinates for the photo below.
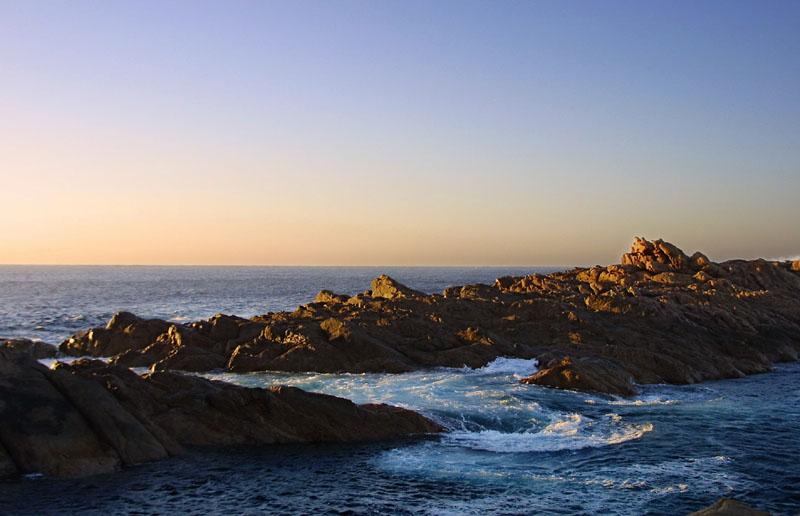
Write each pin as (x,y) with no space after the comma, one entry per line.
(376,132)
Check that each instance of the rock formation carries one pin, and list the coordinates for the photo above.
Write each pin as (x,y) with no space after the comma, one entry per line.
(90,417)
(35,348)
(659,316)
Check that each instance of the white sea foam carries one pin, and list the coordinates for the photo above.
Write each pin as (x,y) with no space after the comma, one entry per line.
(644,401)
(520,367)
(566,432)
(706,474)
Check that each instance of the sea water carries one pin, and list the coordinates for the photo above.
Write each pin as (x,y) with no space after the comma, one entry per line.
(511,448)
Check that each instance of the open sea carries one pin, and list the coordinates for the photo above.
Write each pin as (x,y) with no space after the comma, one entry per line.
(513,448)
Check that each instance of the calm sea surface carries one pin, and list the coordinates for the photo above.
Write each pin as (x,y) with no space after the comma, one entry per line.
(512,449)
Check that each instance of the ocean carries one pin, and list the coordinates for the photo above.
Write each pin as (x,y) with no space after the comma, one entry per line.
(512,448)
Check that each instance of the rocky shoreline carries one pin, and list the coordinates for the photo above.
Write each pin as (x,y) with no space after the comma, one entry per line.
(659,316)
(89,417)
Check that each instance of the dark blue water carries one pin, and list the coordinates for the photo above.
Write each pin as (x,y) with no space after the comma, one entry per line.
(513,448)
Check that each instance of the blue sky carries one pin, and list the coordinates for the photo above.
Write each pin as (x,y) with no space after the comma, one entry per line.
(524,133)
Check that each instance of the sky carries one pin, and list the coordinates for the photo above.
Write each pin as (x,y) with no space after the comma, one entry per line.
(396,132)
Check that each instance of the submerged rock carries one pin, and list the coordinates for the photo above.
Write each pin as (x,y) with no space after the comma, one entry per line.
(728,507)
(89,417)
(659,316)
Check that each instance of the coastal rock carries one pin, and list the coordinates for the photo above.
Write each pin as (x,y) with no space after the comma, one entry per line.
(728,507)
(43,432)
(387,288)
(123,332)
(326,296)
(89,417)
(660,315)
(190,358)
(7,466)
(584,374)
(36,348)
(114,425)
(657,256)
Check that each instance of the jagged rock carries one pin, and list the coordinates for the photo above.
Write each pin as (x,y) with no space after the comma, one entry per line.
(89,417)
(702,277)
(326,296)
(584,374)
(657,256)
(224,327)
(123,332)
(387,288)
(728,507)
(698,261)
(663,316)
(36,348)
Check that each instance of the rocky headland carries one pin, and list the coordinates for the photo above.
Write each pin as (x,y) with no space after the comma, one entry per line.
(659,316)
(90,417)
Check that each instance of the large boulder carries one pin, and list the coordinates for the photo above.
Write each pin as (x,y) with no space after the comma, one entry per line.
(388,288)
(326,296)
(657,256)
(585,374)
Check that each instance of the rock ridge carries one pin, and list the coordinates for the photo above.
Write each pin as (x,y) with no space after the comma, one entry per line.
(90,417)
(659,316)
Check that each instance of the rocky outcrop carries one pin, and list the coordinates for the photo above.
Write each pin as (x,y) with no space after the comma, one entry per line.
(41,431)
(387,288)
(585,374)
(89,417)
(728,507)
(661,315)
(124,332)
(35,348)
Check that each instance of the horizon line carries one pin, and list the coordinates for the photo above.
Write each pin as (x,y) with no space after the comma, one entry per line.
(266,265)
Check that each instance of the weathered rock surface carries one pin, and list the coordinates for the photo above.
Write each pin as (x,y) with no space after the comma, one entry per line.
(36,348)
(585,374)
(41,431)
(89,417)
(728,507)
(659,316)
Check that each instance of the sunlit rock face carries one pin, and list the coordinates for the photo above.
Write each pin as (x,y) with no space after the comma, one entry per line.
(661,315)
